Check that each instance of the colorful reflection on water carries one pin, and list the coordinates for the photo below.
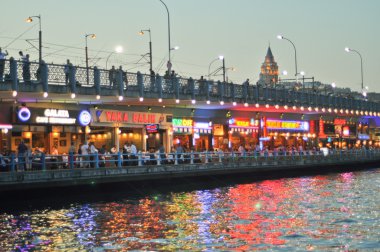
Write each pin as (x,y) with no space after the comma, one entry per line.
(337,212)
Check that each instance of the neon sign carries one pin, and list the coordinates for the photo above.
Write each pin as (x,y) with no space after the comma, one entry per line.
(182,122)
(84,118)
(243,123)
(24,114)
(288,125)
(56,116)
(339,121)
(151,128)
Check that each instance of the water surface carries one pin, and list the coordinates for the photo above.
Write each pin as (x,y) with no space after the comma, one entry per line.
(334,212)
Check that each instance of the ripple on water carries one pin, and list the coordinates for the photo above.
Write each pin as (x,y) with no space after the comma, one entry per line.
(320,213)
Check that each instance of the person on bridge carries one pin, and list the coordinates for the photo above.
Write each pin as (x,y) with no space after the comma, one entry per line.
(2,62)
(66,70)
(112,77)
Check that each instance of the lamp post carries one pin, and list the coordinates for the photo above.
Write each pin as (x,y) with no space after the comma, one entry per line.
(361,62)
(295,51)
(92,35)
(150,49)
(221,57)
(29,20)
(169,65)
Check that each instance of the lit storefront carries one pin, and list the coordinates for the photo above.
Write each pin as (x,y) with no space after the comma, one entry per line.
(338,133)
(183,132)
(45,128)
(243,131)
(287,133)
(202,139)
(146,130)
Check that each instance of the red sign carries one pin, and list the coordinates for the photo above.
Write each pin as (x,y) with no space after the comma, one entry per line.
(322,129)
(312,127)
(134,117)
(339,121)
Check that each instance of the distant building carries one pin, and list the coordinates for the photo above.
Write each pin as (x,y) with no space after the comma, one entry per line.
(269,70)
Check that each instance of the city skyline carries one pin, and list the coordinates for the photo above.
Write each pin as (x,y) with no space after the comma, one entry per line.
(203,31)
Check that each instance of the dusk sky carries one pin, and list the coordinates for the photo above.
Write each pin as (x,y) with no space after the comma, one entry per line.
(241,30)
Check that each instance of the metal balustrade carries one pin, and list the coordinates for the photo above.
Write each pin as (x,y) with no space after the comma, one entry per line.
(175,86)
(42,162)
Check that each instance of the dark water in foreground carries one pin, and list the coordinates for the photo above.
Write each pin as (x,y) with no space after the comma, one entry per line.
(334,212)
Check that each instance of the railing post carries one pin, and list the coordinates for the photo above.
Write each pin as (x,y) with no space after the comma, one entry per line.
(175,82)
(206,157)
(13,73)
(44,76)
(71,160)
(140,84)
(159,158)
(139,155)
(221,90)
(119,159)
(220,156)
(191,85)
(72,79)
(96,160)
(192,157)
(207,90)
(159,85)
(97,81)
(13,162)
(120,82)
(43,161)
(175,158)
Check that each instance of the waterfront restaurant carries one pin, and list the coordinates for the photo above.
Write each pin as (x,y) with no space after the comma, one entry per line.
(45,128)
(287,133)
(183,132)
(145,129)
(243,131)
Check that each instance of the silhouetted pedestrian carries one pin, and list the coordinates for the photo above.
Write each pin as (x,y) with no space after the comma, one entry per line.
(112,77)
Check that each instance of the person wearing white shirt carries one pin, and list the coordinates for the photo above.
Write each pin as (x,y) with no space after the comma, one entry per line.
(84,150)
(133,154)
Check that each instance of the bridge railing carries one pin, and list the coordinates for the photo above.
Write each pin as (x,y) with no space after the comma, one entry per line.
(42,162)
(277,94)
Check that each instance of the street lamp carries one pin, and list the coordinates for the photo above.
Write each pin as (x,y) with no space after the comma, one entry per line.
(118,49)
(170,48)
(361,62)
(150,49)
(92,35)
(221,57)
(29,20)
(295,51)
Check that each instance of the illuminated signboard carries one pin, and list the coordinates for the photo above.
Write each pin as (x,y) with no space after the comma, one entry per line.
(151,128)
(23,114)
(47,116)
(287,125)
(339,121)
(84,118)
(202,125)
(56,116)
(182,122)
(243,123)
(129,117)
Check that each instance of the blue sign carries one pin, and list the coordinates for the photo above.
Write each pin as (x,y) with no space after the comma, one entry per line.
(24,114)
(84,118)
